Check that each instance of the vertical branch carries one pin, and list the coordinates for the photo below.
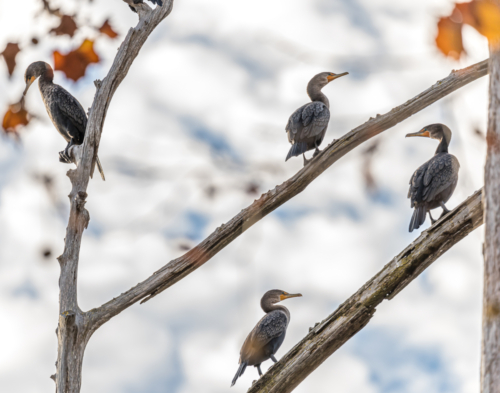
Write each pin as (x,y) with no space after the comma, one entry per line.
(490,360)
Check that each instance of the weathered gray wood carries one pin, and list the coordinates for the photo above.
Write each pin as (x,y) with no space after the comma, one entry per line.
(225,234)
(490,359)
(355,313)
(74,327)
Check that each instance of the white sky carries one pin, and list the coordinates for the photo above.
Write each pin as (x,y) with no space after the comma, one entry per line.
(204,108)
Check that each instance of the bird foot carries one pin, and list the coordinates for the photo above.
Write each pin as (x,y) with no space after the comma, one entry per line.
(316,152)
(64,157)
(444,213)
(306,161)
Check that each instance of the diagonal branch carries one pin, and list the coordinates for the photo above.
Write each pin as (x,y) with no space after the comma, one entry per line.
(355,313)
(178,268)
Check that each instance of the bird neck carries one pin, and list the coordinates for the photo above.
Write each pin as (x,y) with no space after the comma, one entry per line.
(315,94)
(268,307)
(442,147)
(47,76)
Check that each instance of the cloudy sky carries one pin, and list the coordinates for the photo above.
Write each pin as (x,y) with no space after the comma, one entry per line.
(193,135)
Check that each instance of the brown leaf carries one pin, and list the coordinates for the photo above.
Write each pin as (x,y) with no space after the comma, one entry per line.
(108,30)
(67,26)
(75,63)
(9,54)
(449,38)
(15,117)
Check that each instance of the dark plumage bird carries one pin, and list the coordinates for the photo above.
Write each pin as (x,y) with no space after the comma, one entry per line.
(66,113)
(132,2)
(268,335)
(433,183)
(307,126)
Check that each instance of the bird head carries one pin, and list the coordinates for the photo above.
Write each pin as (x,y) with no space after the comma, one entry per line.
(324,78)
(277,295)
(35,70)
(434,131)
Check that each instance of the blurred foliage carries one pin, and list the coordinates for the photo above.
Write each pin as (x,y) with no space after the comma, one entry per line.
(483,15)
(73,64)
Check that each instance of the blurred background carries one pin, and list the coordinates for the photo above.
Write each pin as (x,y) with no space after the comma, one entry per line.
(194,134)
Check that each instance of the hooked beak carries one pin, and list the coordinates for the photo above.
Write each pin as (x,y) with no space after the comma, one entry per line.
(289,295)
(335,76)
(422,132)
(28,84)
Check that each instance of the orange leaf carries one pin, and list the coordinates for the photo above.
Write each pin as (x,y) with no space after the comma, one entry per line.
(67,26)
(484,16)
(449,38)
(108,30)
(15,117)
(75,63)
(9,54)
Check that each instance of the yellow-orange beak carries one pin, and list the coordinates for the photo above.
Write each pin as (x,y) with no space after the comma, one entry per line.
(422,132)
(289,295)
(335,76)
(28,84)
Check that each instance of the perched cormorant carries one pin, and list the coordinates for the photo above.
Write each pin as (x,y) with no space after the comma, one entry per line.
(131,2)
(433,183)
(268,335)
(66,113)
(307,126)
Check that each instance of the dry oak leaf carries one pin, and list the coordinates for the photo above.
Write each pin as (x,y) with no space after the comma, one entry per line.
(108,30)
(15,117)
(75,63)
(9,54)
(449,37)
(67,26)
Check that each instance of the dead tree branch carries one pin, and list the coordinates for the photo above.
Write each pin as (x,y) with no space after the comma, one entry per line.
(225,234)
(355,313)
(74,328)
(490,359)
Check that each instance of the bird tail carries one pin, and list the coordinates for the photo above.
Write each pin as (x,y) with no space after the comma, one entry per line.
(296,150)
(99,166)
(240,372)
(418,217)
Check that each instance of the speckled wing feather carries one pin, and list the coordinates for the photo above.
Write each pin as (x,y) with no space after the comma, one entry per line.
(271,326)
(73,112)
(434,176)
(441,173)
(307,121)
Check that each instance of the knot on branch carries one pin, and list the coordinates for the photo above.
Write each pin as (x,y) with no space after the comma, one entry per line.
(98,83)
(80,200)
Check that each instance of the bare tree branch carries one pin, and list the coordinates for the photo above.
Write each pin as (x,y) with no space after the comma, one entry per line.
(74,329)
(355,313)
(490,359)
(225,234)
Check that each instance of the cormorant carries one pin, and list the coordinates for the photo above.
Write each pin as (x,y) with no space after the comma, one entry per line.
(66,113)
(433,183)
(268,335)
(307,126)
(131,2)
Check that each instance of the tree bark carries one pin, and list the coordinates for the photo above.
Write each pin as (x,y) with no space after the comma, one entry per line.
(75,327)
(355,313)
(179,268)
(490,360)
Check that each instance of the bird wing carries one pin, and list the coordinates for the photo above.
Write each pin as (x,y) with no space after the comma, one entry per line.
(73,113)
(432,177)
(441,173)
(271,326)
(309,120)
